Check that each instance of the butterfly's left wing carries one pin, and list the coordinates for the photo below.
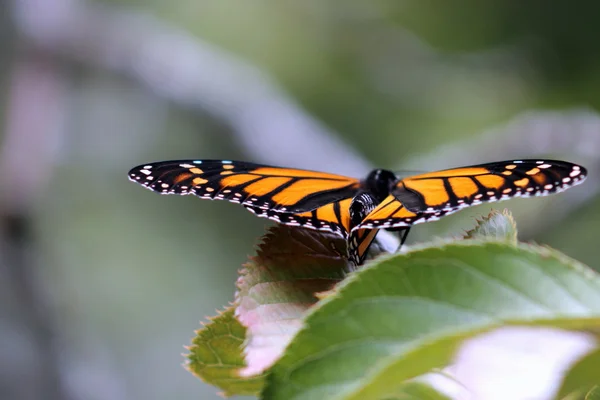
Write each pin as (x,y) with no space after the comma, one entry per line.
(274,189)
(430,196)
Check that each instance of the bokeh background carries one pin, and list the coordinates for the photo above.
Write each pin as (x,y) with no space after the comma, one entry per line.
(102,283)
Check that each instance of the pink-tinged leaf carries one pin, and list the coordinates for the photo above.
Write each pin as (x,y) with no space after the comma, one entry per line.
(278,286)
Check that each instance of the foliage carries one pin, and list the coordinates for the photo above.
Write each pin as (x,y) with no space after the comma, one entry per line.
(216,354)
(583,380)
(399,317)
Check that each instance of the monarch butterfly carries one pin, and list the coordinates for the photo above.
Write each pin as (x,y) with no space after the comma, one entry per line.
(351,208)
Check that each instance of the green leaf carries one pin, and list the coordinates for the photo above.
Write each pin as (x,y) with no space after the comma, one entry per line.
(497,225)
(291,270)
(593,393)
(414,390)
(583,377)
(216,356)
(407,314)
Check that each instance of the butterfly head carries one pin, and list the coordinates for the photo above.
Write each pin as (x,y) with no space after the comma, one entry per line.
(380,183)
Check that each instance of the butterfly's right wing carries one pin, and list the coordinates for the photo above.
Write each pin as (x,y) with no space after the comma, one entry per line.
(430,196)
(447,191)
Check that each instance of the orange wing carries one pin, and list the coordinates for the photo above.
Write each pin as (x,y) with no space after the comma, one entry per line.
(430,196)
(282,190)
(314,200)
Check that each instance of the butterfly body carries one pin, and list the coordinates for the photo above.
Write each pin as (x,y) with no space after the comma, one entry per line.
(380,183)
(351,208)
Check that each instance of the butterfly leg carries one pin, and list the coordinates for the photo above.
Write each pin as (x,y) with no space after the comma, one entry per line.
(402,235)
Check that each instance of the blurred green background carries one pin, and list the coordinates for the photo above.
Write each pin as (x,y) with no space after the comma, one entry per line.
(102,283)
